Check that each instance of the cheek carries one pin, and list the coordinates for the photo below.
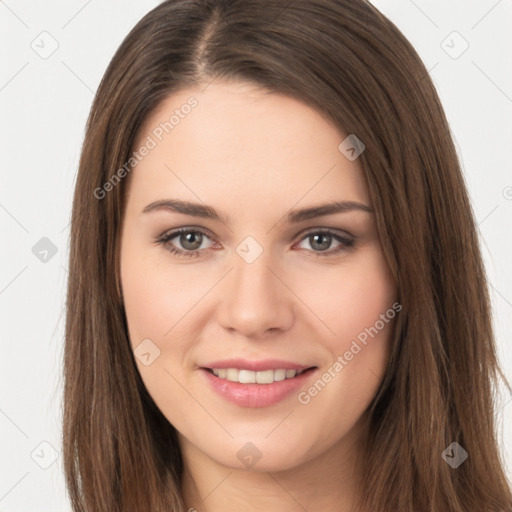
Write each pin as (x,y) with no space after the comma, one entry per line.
(161,303)
(156,297)
(358,311)
(360,296)
(147,301)
(351,296)
(156,304)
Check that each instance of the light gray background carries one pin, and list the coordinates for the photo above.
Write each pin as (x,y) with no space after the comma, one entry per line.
(44,105)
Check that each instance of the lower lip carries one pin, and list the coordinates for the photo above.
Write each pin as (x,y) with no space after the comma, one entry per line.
(256,395)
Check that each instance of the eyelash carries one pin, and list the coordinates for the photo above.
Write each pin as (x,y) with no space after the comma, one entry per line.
(347,243)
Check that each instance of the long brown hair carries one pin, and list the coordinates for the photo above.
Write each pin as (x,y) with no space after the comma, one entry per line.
(347,60)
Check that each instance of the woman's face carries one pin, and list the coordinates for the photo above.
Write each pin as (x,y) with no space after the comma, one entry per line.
(262,283)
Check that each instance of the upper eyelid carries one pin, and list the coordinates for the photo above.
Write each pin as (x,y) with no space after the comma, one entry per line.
(336,231)
(173,233)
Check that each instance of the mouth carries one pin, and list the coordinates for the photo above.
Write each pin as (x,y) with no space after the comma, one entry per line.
(269,376)
(257,388)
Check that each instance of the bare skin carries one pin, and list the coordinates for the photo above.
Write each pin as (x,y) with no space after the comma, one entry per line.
(254,156)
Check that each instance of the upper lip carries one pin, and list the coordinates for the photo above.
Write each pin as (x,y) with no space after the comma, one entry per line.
(256,366)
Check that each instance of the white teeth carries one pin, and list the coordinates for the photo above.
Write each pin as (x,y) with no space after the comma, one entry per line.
(232,374)
(246,377)
(279,374)
(264,377)
(250,377)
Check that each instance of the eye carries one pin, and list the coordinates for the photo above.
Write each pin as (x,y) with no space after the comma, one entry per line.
(191,241)
(321,240)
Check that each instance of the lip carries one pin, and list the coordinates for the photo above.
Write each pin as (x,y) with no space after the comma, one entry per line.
(256,395)
(255,366)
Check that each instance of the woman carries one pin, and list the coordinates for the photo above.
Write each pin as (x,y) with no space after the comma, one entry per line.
(276,299)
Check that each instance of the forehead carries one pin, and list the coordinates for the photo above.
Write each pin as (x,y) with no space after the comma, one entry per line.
(241,142)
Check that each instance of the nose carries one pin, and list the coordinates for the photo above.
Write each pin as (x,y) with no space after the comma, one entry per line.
(255,301)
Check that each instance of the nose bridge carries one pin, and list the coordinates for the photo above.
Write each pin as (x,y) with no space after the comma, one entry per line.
(253,298)
(252,276)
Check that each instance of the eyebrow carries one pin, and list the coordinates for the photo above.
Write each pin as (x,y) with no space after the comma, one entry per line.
(293,217)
